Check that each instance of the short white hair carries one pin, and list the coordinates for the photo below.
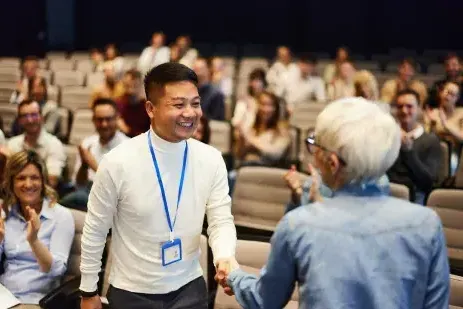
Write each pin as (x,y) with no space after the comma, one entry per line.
(362,134)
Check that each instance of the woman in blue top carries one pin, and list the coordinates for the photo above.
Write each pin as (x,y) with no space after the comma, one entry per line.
(360,248)
(35,233)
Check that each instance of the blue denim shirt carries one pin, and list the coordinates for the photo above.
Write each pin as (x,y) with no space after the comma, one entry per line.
(359,249)
(22,275)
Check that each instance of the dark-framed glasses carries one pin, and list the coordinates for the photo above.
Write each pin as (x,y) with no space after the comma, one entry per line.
(312,146)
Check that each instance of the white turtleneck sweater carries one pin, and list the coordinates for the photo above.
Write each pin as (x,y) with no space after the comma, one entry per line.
(126,196)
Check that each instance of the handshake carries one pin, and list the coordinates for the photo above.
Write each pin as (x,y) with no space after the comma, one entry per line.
(223,268)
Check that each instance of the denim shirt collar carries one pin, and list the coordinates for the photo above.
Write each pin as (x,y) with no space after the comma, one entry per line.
(360,189)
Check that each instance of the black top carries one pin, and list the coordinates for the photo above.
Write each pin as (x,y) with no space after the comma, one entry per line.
(212,102)
(418,168)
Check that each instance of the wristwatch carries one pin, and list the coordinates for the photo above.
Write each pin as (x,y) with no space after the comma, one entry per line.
(88,294)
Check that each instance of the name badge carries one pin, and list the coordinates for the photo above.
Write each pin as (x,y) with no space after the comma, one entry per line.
(171,252)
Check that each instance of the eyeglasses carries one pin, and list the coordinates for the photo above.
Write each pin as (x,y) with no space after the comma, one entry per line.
(103,119)
(312,145)
(33,116)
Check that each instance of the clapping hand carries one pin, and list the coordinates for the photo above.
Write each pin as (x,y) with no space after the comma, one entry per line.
(33,224)
(407,141)
(223,268)
(314,193)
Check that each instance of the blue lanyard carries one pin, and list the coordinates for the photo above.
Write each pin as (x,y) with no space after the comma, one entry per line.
(161,185)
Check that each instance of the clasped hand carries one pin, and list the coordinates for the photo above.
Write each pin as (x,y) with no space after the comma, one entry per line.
(223,268)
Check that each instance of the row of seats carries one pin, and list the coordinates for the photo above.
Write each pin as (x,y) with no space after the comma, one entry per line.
(251,255)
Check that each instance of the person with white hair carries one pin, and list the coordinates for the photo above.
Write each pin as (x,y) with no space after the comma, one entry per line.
(359,248)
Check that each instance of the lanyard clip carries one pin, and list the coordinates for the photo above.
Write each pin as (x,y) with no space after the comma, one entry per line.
(171,236)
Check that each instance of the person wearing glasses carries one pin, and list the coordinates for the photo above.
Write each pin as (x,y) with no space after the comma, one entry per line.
(36,138)
(360,248)
(91,151)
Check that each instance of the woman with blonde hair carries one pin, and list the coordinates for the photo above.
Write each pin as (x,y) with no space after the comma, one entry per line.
(36,233)
(366,85)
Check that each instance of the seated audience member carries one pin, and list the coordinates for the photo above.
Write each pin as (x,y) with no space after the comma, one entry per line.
(36,233)
(360,248)
(212,99)
(111,88)
(404,80)
(332,69)
(112,56)
(203,131)
(282,73)
(186,54)
(37,91)
(29,70)
(417,165)
(174,53)
(342,86)
(153,55)
(268,140)
(92,150)
(306,87)
(133,119)
(446,120)
(35,137)
(97,58)
(366,86)
(219,78)
(453,73)
(246,108)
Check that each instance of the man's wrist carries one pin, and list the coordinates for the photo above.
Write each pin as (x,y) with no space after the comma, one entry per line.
(85,294)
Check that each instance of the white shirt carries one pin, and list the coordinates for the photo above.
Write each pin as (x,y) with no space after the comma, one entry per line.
(306,89)
(2,138)
(125,196)
(49,148)
(280,76)
(151,57)
(97,150)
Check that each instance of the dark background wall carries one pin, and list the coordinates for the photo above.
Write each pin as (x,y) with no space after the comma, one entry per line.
(366,26)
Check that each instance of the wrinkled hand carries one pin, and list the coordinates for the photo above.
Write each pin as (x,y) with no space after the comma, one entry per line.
(223,268)
(90,302)
(33,224)
(314,193)
(407,141)
(293,181)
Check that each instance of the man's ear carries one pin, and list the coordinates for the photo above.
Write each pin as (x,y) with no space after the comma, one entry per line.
(150,108)
(334,163)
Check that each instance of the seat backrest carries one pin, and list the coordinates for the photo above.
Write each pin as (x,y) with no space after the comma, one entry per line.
(71,156)
(260,197)
(252,256)
(400,191)
(456,291)
(448,203)
(73,268)
(95,79)
(295,143)
(305,114)
(69,78)
(82,126)
(459,172)
(74,98)
(8,113)
(220,135)
(444,167)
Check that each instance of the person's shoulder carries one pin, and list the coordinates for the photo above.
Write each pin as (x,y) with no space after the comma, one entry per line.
(407,214)
(431,138)
(90,140)
(15,143)
(61,212)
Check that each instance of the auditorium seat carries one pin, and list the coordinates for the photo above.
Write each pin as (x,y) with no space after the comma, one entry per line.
(9,74)
(65,115)
(10,62)
(444,167)
(305,114)
(85,65)
(82,126)
(220,136)
(71,156)
(75,98)
(61,65)
(252,256)
(448,203)
(400,191)
(260,197)
(456,292)
(95,79)
(459,172)
(73,267)
(8,113)
(69,78)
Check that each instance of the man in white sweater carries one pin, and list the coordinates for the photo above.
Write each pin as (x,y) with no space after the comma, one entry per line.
(153,191)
